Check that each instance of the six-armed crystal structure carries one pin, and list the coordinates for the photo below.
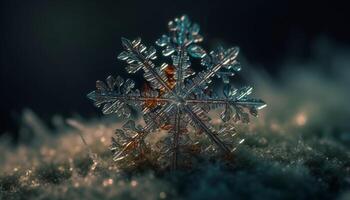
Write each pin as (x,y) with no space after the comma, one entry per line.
(175,99)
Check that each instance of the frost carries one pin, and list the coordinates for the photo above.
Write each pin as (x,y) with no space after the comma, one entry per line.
(174,97)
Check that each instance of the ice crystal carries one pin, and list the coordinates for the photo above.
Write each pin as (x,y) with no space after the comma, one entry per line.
(174,97)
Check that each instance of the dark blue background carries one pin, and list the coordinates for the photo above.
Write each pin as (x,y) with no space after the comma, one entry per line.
(53,51)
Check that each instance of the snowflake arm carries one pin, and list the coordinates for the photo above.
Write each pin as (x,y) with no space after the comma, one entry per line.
(128,141)
(235,100)
(222,59)
(124,145)
(176,136)
(207,130)
(181,41)
(118,96)
(138,57)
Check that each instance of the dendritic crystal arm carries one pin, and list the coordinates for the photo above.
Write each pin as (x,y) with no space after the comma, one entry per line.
(222,59)
(177,131)
(137,56)
(208,131)
(234,103)
(117,96)
(182,40)
(124,144)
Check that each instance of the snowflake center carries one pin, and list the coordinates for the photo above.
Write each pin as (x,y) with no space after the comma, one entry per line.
(178,101)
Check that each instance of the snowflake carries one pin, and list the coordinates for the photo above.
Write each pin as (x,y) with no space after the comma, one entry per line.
(175,98)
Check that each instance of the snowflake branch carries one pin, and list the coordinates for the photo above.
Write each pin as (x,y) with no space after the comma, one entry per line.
(227,59)
(130,145)
(259,104)
(113,102)
(178,63)
(207,130)
(176,138)
(138,138)
(137,53)
(157,119)
(101,98)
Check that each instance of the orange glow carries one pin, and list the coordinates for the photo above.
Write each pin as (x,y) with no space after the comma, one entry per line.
(170,74)
(301,119)
(166,127)
(149,103)
(171,82)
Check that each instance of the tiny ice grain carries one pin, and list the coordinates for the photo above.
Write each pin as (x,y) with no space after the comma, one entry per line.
(175,99)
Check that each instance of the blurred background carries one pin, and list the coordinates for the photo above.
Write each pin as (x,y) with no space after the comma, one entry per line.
(52,52)
(295,54)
